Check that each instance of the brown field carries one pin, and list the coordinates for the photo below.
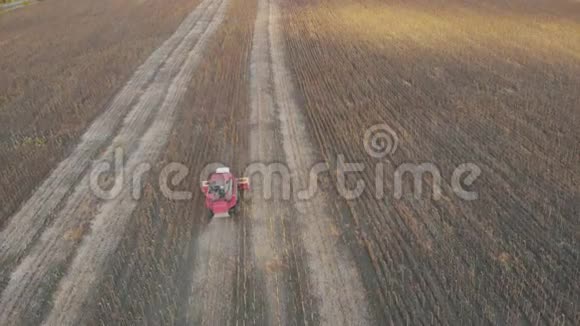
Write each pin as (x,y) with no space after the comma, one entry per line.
(295,82)
(62,61)
(458,83)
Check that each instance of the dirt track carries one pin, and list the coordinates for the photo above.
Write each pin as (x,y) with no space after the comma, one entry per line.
(294,255)
(332,274)
(242,83)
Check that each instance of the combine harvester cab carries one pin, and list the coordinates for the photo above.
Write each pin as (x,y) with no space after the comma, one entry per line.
(222,192)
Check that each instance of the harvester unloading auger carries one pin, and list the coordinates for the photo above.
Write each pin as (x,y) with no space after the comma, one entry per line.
(222,192)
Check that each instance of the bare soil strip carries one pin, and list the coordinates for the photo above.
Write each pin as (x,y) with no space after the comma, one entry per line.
(54,248)
(333,277)
(214,275)
(109,225)
(264,145)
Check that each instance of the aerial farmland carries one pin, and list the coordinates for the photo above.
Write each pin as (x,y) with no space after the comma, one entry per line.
(290,162)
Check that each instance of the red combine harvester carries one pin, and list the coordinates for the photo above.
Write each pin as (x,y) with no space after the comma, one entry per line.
(222,192)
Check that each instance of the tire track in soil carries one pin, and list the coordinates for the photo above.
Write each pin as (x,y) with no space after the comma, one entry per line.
(213,280)
(28,286)
(337,294)
(278,257)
